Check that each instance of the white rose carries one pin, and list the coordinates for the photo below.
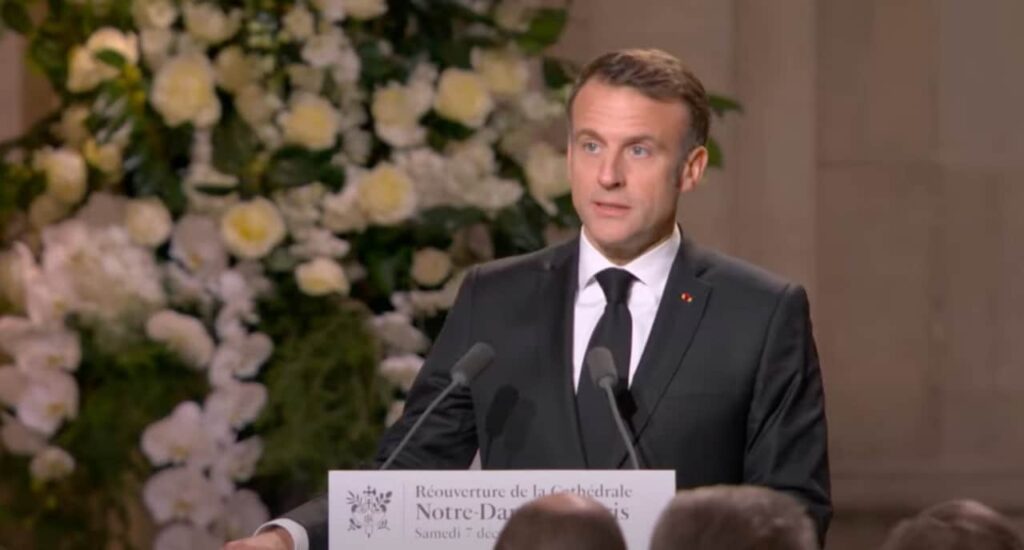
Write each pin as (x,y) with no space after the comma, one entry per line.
(209,25)
(513,15)
(386,195)
(154,14)
(357,144)
(72,125)
(183,91)
(107,158)
(148,222)
(365,9)
(430,266)
(85,71)
(235,70)
(310,121)
(256,105)
(183,334)
(397,110)
(347,67)
(252,229)
(324,49)
(546,174)
(462,96)
(397,333)
(50,464)
(341,211)
(505,71)
(156,46)
(401,370)
(65,173)
(298,22)
(321,276)
(305,78)
(331,10)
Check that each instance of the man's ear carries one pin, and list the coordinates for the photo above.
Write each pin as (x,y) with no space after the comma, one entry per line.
(692,169)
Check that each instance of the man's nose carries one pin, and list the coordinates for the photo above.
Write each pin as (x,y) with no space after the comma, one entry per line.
(610,173)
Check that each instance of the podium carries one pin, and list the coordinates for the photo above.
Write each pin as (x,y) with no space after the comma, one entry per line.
(466,509)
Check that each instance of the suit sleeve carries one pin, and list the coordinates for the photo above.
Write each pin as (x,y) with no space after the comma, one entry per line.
(446,440)
(787,439)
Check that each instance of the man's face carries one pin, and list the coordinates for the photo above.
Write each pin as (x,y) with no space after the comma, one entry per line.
(627,167)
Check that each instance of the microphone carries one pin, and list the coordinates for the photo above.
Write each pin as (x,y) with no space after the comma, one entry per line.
(602,371)
(478,358)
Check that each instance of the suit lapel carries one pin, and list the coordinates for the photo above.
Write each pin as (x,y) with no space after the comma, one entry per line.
(556,299)
(679,314)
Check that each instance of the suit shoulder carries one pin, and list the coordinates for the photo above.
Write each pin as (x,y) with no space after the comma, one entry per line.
(522,264)
(729,272)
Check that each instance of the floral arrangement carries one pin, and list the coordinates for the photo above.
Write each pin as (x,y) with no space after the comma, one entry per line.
(226,253)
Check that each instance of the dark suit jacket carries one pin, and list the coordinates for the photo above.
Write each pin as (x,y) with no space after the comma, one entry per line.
(727,391)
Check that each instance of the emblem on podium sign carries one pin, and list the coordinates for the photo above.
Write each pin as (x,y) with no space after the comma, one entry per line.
(368,511)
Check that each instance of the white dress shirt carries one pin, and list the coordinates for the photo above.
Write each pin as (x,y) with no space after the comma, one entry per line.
(651,270)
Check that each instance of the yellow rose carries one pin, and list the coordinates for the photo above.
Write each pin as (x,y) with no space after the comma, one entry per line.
(235,70)
(209,25)
(252,229)
(462,96)
(321,276)
(396,113)
(148,222)
(365,9)
(66,174)
(85,72)
(430,266)
(107,158)
(256,105)
(386,195)
(45,210)
(546,174)
(72,125)
(183,91)
(504,71)
(310,121)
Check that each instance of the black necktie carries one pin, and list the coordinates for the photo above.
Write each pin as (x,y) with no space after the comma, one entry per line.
(614,331)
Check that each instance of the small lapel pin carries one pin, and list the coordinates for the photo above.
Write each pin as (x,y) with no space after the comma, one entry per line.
(686,297)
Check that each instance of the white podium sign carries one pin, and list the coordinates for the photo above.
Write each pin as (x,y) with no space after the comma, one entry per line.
(460,509)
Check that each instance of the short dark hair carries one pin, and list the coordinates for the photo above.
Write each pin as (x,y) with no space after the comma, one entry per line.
(953,525)
(561,522)
(656,74)
(738,518)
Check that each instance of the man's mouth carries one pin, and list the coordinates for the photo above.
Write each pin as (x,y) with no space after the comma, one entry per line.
(610,208)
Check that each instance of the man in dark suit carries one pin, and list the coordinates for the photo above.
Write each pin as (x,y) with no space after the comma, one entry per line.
(718,372)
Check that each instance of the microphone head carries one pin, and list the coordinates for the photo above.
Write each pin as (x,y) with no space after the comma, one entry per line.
(601,365)
(478,358)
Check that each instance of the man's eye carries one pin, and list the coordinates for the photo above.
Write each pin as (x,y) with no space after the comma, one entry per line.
(590,146)
(639,151)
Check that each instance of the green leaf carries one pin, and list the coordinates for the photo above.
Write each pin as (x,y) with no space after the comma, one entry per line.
(714,153)
(519,228)
(436,226)
(234,145)
(557,72)
(545,28)
(215,190)
(16,17)
(111,57)
(721,104)
(295,166)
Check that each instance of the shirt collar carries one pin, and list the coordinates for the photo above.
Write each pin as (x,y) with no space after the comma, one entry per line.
(650,268)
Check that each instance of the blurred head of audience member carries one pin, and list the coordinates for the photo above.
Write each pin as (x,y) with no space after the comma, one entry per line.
(561,522)
(734,518)
(955,525)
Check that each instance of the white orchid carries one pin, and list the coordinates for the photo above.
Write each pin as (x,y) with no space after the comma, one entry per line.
(44,347)
(182,493)
(396,331)
(18,438)
(50,464)
(244,512)
(12,385)
(236,462)
(183,334)
(183,536)
(401,370)
(316,242)
(196,245)
(179,438)
(234,405)
(50,398)
(240,357)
